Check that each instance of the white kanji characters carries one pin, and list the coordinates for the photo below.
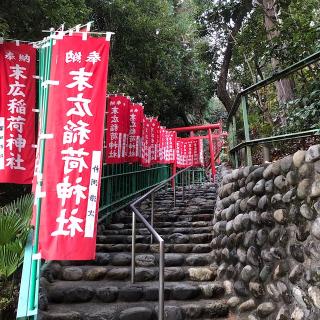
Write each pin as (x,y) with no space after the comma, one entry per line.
(114,136)
(9,55)
(81,106)
(24,58)
(114,110)
(113,154)
(80,79)
(114,119)
(73,224)
(15,162)
(74,159)
(72,56)
(65,190)
(93,57)
(16,89)
(114,127)
(16,123)
(133,117)
(17,72)
(17,106)
(75,132)
(18,142)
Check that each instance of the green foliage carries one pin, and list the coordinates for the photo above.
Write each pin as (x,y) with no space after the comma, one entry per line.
(14,229)
(303,113)
(215,111)
(25,20)
(157,56)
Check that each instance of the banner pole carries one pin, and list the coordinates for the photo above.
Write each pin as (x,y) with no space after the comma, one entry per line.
(44,111)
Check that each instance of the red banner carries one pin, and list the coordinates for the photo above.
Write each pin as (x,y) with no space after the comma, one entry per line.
(154,141)
(117,133)
(73,155)
(135,132)
(146,141)
(17,120)
(189,152)
(167,146)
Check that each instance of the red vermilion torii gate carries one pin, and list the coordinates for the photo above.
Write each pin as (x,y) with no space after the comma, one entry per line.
(215,136)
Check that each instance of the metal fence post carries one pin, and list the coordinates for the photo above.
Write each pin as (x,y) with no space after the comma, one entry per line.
(174,193)
(246,129)
(182,181)
(152,214)
(133,247)
(234,137)
(161,281)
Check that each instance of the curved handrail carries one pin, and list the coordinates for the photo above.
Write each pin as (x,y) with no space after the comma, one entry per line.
(154,233)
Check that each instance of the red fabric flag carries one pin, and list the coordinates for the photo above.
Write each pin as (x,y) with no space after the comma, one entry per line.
(167,146)
(117,133)
(135,132)
(73,157)
(189,152)
(155,140)
(17,120)
(146,141)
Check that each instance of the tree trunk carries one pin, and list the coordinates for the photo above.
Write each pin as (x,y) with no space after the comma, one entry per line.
(237,17)
(284,86)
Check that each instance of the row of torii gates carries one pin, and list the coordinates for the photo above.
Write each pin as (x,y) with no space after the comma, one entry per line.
(215,136)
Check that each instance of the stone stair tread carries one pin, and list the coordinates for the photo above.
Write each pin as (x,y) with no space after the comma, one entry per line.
(94,274)
(179,224)
(207,309)
(173,238)
(124,259)
(161,231)
(145,248)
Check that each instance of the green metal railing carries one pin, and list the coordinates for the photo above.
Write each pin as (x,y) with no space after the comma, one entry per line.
(121,183)
(192,176)
(29,288)
(242,101)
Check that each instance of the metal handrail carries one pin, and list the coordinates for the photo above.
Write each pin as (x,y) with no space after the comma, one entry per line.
(154,234)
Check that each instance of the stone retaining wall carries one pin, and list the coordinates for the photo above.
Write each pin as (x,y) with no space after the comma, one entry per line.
(266,238)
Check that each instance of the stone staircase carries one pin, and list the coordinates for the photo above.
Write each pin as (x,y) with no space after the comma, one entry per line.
(101,289)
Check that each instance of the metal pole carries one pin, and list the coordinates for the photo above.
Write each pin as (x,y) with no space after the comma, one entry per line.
(212,155)
(152,215)
(133,247)
(44,110)
(161,280)
(234,128)
(246,128)
(174,192)
(182,181)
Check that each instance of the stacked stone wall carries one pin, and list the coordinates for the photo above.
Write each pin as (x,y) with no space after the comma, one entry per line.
(267,238)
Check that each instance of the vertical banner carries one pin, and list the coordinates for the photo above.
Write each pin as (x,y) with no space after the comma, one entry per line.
(155,141)
(146,141)
(17,120)
(189,152)
(135,132)
(73,150)
(167,146)
(117,133)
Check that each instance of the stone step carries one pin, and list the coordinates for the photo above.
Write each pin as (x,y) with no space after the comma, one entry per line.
(145,260)
(174,218)
(146,310)
(174,211)
(77,274)
(179,224)
(161,231)
(178,238)
(147,248)
(107,292)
